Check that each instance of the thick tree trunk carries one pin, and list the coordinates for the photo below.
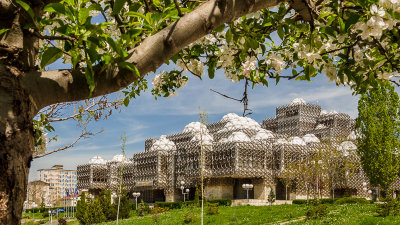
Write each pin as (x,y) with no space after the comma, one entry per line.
(16,145)
(18,50)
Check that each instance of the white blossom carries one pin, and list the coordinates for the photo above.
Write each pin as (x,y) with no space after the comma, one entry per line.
(249,65)
(375,11)
(277,62)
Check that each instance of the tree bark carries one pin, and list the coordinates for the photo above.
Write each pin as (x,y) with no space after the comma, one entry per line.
(18,51)
(16,146)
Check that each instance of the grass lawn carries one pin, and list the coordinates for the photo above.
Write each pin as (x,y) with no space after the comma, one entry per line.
(338,214)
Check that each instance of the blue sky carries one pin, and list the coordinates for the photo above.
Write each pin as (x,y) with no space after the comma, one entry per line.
(146,117)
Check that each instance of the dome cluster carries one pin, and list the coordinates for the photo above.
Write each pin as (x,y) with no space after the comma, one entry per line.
(235,122)
(97,160)
(298,101)
(163,143)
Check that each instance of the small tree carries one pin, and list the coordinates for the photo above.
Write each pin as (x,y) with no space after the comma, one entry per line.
(105,201)
(378,144)
(94,213)
(271,196)
(125,206)
(81,208)
(196,197)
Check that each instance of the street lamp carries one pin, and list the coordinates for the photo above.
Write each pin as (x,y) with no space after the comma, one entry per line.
(184,192)
(247,187)
(51,217)
(136,195)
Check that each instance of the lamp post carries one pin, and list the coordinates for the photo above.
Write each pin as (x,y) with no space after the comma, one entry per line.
(51,217)
(136,195)
(247,187)
(184,192)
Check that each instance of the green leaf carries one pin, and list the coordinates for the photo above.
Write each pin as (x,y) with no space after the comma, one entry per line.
(2,31)
(95,7)
(126,101)
(342,25)
(90,80)
(136,14)
(280,31)
(228,36)
(220,28)
(118,6)
(83,15)
(50,55)
(129,66)
(211,68)
(55,7)
(115,46)
(252,43)
(27,8)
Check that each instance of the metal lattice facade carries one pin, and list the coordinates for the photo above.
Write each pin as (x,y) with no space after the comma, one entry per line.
(236,150)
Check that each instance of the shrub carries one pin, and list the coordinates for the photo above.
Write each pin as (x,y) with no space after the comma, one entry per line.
(62,221)
(143,209)
(351,200)
(158,210)
(81,207)
(196,198)
(94,213)
(299,201)
(45,214)
(124,206)
(105,202)
(133,206)
(190,217)
(212,209)
(222,202)
(271,196)
(318,211)
(326,200)
(391,207)
(171,205)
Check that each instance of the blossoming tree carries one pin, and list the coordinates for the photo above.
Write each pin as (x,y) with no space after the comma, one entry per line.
(112,44)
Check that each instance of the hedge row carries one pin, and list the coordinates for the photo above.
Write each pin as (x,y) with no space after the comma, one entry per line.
(345,200)
(41,210)
(179,205)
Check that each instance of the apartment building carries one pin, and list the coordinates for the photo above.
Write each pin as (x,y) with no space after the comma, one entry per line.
(59,179)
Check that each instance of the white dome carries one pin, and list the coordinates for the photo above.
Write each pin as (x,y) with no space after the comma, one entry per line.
(263,135)
(296,141)
(310,138)
(347,146)
(206,138)
(352,136)
(239,123)
(119,158)
(238,137)
(333,112)
(281,141)
(97,160)
(163,144)
(320,126)
(323,112)
(297,101)
(195,127)
(229,117)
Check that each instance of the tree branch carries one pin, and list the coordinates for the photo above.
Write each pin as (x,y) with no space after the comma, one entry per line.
(155,50)
(66,147)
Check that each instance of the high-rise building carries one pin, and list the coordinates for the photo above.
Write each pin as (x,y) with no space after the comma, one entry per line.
(59,179)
